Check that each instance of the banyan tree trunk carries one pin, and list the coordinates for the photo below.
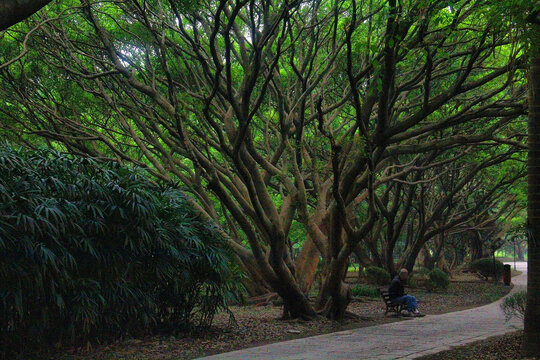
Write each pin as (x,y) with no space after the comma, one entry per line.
(425,258)
(296,303)
(306,265)
(254,282)
(477,249)
(519,252)
(336,293)
(443,265)
(531,334)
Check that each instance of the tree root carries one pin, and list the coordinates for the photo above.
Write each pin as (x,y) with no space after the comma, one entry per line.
(290,315)
(263,300)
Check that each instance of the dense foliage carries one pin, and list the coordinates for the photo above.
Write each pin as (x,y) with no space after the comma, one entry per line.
(311,130)
(376,275)
(365,290)
(438,279)
(92,251)
(487,267)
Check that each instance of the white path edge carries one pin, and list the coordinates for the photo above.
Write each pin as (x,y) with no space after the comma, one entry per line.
(399,340)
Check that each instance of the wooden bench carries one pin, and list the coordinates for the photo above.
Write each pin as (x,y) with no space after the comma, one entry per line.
(391,306)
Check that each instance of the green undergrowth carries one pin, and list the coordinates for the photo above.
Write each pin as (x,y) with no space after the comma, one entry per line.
(365,290)
(92,251)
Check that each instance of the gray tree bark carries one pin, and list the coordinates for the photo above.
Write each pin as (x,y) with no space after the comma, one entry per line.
(531,338)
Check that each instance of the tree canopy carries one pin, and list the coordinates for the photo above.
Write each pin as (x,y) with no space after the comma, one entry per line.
(312,131)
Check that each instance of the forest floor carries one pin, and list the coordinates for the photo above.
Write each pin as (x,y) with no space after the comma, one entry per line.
(503,347)
(258,325)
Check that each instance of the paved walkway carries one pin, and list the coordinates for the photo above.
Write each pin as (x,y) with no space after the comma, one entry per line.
(398,340)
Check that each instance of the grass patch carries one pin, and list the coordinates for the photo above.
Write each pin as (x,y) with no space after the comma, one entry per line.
(492,292)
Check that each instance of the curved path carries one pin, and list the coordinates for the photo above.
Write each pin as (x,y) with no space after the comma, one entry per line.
(398,340)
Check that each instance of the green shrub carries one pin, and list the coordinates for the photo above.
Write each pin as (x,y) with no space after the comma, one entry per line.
(93,251)
(487,268)
(420,270)
(365,290)
(418,279)
(515,305)
(438,279)
(376,275)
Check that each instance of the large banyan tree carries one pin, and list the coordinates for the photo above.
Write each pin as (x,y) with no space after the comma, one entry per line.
(329,118)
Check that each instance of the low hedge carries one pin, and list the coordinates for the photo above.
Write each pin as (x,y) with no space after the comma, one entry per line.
(365,290)
(438,279)
(377,276)
(487,268)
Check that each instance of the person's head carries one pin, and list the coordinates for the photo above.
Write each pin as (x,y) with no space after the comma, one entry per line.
(403,274)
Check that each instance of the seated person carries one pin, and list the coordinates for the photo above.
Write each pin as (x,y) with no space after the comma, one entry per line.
(396,291)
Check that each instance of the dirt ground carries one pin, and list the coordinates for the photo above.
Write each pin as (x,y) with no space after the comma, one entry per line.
(258,325)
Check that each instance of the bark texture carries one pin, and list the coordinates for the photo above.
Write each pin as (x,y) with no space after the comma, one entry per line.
(14,11)
(531,340)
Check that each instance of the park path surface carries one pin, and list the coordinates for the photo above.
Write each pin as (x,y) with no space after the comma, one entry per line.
(399,340)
